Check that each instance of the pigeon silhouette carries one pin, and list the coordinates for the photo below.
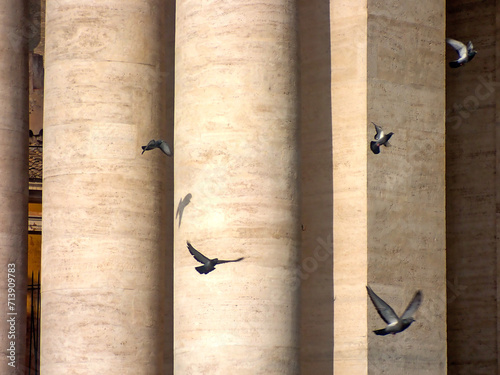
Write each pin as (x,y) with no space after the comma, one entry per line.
(208,264)
(162,145)
(395,324)
(380,139)
(465,54)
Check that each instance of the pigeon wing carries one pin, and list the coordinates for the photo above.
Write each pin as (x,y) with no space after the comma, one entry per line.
(380,132)
(229,261)
(413,306)
(458,46)
(151,144)
(197,255)
(386,140)
(165,148)
(384,310)
(470,46)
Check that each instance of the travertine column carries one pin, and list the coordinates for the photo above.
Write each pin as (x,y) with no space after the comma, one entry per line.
(236,154)
(104,203)
(13,185)
(389,218)
(168,79)
(473,191)
(316,267)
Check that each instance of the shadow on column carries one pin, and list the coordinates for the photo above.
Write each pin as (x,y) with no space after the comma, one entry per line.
(167,77)
(471,192)
(316,267)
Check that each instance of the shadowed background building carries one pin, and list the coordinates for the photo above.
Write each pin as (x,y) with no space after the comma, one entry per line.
(267,106)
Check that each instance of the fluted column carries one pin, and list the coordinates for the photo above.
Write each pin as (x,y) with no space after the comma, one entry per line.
(236,113)
(389,209)
(13,185)
(104,203)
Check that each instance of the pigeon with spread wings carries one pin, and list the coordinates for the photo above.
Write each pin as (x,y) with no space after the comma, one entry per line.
(395,324)
(465,53)
(162,145)
(380,139)
(208,264)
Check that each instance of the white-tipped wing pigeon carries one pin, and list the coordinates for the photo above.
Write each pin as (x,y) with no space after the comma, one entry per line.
(162,145)
(395,324)
(208,264)
(380,139)
(465,53)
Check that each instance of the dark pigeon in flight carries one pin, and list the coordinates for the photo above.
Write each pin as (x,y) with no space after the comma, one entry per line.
(380,139)
(465,53)
(208,264)
(162,145)
(395,324)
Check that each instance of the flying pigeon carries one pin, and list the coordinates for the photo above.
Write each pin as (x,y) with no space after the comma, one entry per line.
(208,264)
(162,145)
(380,139)
(465,54)
(395,324)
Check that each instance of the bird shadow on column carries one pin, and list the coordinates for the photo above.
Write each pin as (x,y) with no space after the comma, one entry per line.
(183,202)
(316,266)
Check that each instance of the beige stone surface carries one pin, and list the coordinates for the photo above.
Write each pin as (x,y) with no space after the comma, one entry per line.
(316,266)
(389,218)
(472,191)
(105,213)
(13,183)
(236,111)
(349,117)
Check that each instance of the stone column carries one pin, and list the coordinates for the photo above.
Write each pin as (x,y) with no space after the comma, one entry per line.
(104,240)
(236,111)
(168,79)
(13,185)
(389,209)
(472,191)
(316,267)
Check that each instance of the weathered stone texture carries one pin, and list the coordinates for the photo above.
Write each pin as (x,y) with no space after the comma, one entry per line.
(104,203)
(236,109)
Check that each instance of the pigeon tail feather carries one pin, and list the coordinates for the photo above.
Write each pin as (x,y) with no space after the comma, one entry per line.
(381,332)
(202,270)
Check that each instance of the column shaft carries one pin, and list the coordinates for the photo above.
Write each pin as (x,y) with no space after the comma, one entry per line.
(316,267)
(472,191)
(389,209)
(104,203)
(13,185)
(236,111)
